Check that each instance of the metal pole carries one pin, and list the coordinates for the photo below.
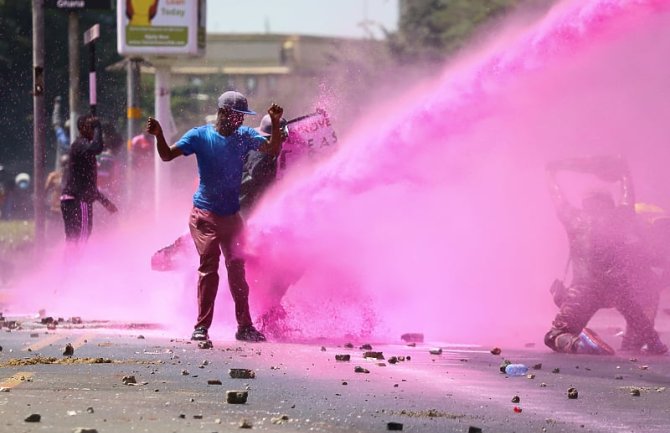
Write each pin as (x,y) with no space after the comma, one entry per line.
(90,36)
(134,114)
(39,122)
(73,70)
(162,109)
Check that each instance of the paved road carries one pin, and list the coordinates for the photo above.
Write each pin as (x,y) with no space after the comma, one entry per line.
(450,392)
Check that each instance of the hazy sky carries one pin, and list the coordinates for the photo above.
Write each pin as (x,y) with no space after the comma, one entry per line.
(310,17)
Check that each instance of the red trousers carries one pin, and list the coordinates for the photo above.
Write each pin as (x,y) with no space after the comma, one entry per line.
(212,235)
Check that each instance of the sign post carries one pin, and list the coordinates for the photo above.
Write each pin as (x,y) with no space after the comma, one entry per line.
(90,36)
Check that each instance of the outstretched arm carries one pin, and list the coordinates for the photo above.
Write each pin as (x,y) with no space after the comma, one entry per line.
(166,152)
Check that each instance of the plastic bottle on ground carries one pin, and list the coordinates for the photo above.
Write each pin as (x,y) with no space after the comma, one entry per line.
(516,370)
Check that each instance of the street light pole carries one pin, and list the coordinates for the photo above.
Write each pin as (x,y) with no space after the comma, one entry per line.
(39,122)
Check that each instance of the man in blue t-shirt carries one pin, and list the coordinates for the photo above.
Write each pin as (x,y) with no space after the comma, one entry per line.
(215,222)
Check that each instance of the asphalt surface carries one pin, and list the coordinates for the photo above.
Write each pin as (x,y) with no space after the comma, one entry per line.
(301,387)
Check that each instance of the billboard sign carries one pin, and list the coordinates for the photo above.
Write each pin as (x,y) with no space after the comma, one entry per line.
(161,27)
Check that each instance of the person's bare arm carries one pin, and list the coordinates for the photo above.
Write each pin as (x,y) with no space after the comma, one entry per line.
(273,146)
(165,151)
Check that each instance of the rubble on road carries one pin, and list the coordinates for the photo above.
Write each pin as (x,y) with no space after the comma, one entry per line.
(69,350)
(373,355)
(207,344)
(214,382)
(394,426)
(345,357)
(245,423)
(33,417)
(281,419)
(236,397)
(496,351)
(436,351)
(412,337)
(241,373)
(366,347)
(573,394)
(359,369)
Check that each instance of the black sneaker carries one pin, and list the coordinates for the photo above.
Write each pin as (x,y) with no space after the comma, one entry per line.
(249,333)
(200,334)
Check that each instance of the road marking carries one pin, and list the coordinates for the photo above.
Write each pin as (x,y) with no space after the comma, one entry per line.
(82,340)
(16,379)
(44,342)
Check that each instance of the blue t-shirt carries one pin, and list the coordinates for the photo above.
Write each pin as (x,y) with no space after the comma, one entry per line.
(220,162)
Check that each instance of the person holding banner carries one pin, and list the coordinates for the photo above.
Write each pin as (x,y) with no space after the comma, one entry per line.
(215,221)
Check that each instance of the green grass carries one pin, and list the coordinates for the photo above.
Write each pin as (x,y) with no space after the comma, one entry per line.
(15,236)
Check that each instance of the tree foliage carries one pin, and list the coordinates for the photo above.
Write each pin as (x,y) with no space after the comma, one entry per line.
(16,102)
(430,30)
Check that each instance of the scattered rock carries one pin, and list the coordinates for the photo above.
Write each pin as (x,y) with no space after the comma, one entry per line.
(323,348)
(345,383)
(197,416)
(280,419)
(516,399)
(46,320)
(411,344)
(90,410)
(366,347)
(537,366)
(214,382)
(185,373)
(140,337)
(51,326)
(76,320)
(635,392)
(236,397)
(85,430)
(33,417)
(644,367)
(517,409)
(129,380)
(34,335)
(412,337)
(241,373)
(245,423)
(0,348)
(207,344)
(69,350)
(394,426)
(543,385)
(342,357)
(618,377)
(375,355)
(182,416)
(556,370)
(504,365)
(573,394)
(436,351)
(496,351)
(393,360)
(530,376)
(359,369)
(3,389)
(349,346)
(474,429)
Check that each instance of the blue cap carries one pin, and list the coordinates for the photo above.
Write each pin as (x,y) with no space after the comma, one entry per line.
(235,101)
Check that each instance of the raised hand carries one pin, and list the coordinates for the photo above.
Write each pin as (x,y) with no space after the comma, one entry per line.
(275,112)
(154,127)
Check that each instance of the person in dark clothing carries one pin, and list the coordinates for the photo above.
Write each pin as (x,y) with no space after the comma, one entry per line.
(609,261)
(80,188)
